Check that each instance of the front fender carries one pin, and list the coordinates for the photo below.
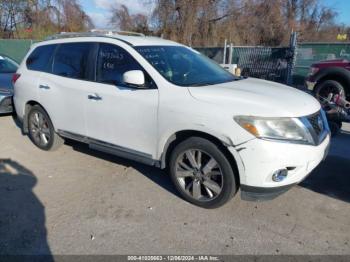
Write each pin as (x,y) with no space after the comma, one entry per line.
(166,140)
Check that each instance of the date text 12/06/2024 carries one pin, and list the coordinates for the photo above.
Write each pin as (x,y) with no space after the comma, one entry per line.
(173,258)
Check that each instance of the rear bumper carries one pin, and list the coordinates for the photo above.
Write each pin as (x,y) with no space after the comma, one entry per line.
(6,104)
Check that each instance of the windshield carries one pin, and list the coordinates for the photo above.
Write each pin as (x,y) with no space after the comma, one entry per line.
(7,65)
(184,67)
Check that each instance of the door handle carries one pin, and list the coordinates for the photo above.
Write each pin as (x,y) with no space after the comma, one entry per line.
(95,97)
(44,87)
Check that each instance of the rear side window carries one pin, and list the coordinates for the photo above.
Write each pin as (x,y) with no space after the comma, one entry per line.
(40,58)
(112,63)
(71,60)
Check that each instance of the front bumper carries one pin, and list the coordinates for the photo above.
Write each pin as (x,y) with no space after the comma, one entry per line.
(261,158)
(251,193)
(6,104)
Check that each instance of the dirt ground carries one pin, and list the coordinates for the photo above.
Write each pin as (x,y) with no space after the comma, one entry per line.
(79,201)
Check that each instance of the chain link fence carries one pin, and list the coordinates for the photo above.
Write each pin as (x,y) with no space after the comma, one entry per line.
(270,63)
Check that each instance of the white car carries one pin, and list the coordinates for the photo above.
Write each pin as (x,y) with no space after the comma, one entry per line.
(163,104)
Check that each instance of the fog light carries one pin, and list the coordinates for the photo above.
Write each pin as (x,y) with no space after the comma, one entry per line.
(279,175)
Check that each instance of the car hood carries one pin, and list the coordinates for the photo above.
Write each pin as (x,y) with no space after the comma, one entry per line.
(258,97)
(6,82)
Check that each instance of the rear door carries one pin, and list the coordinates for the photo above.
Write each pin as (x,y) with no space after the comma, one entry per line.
(27,86)
(62,89)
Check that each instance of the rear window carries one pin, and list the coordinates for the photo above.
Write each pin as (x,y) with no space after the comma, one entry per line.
(71,60)
(39,59)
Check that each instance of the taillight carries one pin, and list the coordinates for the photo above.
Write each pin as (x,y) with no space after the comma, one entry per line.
(15,77)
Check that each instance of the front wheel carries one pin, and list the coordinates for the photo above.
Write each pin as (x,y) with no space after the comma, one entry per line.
(201,173)
(327,87)
(41,130)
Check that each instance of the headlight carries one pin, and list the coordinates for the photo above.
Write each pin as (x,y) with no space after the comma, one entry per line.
(283,129)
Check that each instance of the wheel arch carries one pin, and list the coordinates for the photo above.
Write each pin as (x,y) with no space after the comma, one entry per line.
(182,135)
(27,108)
(338,74)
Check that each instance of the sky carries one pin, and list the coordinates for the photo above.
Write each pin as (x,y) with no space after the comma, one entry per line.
(98,10)
(342,7)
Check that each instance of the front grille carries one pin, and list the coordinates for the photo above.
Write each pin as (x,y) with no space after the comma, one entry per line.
(316,122)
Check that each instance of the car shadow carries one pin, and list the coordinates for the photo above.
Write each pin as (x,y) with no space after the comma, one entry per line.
(157,175)
(332,176)
(22,215)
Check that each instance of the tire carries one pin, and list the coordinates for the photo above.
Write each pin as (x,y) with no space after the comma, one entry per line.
(324,88)
(194,173)
(41,131)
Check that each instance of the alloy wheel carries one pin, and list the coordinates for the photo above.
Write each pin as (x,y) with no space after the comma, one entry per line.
(199,175)
(39,129)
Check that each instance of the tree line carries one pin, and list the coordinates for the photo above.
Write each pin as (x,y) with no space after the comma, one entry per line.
(37,19)
(192,22)
(242,22)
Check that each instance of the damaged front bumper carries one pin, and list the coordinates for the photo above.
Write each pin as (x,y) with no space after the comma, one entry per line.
(259,160)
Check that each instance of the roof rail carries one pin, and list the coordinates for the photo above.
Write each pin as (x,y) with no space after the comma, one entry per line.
(93,32)
(71,34)
(116,32)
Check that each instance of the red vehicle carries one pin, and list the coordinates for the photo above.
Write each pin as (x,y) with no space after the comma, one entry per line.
(330,82)
(332,76)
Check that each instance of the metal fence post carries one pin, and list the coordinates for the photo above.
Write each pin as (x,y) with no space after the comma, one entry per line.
(225,46)
(291,57)
(230,54)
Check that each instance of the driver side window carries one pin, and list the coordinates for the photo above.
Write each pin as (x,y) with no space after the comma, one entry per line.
(112,63)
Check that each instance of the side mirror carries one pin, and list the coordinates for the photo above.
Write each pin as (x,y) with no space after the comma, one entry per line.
(135,78)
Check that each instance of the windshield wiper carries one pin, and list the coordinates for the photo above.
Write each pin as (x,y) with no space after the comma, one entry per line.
(201,84)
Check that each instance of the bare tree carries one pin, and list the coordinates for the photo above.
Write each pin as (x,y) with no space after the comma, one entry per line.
(193,22)
(38,18)
(128,22)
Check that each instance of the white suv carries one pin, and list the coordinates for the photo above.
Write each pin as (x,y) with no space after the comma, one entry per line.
(163,104)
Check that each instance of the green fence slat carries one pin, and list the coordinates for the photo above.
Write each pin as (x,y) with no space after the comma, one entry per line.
(15,48)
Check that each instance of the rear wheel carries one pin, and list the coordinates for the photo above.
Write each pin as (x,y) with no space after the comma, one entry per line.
(201,173)
(41,130)
(327,87)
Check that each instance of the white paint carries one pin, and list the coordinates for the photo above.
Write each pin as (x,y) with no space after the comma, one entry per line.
(134,77)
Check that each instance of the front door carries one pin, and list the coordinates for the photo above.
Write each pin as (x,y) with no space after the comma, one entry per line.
(117,114)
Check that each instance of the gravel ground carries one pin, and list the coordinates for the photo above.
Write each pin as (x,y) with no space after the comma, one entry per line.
(79,201)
